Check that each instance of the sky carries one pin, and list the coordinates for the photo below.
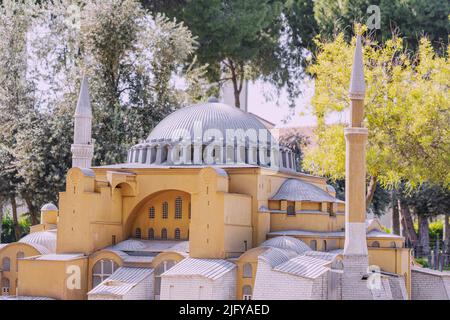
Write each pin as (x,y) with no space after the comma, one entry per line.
(263,101)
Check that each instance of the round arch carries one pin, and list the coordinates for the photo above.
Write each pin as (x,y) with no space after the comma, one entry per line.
(148,215)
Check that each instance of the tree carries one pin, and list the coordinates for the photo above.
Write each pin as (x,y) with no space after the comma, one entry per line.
(425,202)
(16,93)
(406,113)
(412,18)
(130,57)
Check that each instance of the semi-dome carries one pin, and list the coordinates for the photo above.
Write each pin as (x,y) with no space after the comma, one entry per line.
(46,239)
(211,133)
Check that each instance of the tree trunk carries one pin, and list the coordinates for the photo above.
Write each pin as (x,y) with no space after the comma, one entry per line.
(371,190)
(447,232)
(408,221)
(1,222)
(237,83)
(33,211)
(395,215)
(15,218)
(424,235)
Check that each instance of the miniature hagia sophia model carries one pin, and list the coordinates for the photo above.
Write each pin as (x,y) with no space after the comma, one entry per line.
(193,216)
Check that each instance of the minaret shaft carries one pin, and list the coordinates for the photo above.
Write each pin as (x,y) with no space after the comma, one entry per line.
(355,162)
(356,260)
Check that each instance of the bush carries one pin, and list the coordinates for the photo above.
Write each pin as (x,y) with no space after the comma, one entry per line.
(8,234)
(423,262)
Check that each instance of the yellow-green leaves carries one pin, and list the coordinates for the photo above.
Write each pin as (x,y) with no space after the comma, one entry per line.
(406,111)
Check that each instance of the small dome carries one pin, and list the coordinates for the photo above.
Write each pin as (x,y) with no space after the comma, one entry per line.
(49,207)
(288,243)
(46,239)
(331,189)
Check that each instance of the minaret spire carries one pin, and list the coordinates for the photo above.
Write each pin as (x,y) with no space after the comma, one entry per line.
(82,148)
(356,259)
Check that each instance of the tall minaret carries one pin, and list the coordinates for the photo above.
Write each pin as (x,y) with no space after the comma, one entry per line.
(82,148)
(356,259)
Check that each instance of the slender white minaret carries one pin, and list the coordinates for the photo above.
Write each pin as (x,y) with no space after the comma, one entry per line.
(82,148)
(356,262)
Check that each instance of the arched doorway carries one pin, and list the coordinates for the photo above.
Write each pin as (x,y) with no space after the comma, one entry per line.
(164,216)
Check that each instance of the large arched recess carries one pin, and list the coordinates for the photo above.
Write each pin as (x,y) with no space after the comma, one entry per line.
(141,217)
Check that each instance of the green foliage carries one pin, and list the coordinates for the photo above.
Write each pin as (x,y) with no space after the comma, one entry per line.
(406,111)
(423,262)
(248,39)
(436,229)
(7,235)
(411,18)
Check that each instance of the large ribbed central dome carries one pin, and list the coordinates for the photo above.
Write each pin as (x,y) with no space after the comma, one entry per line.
(210,115)
(211,133)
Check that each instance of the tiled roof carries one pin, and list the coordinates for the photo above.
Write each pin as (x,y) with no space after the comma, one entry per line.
(209,268)
(332,234)
(298,190)
(140,245)
(60,257)
(303,266)
(122,281)
(289,243)
(327,256)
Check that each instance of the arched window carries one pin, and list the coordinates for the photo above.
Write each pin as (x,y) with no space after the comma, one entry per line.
(178,208)
(6,264)
(247,271)
(19,255)
(159,270)
(324,245)
(246,293)
(165,210)
(102,270)
(5,286)
(164,234)
(291,210)
(151,234)
(151,213)
(313,245)
(375,244)
(177,234)
(138,233)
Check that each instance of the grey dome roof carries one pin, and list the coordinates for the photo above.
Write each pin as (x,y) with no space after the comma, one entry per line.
(297,190)
(288,243)
(211,115)
(49,207)
(46,239)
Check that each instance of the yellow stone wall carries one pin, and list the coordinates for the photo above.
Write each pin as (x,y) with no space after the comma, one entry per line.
(10,251)
(49,278)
